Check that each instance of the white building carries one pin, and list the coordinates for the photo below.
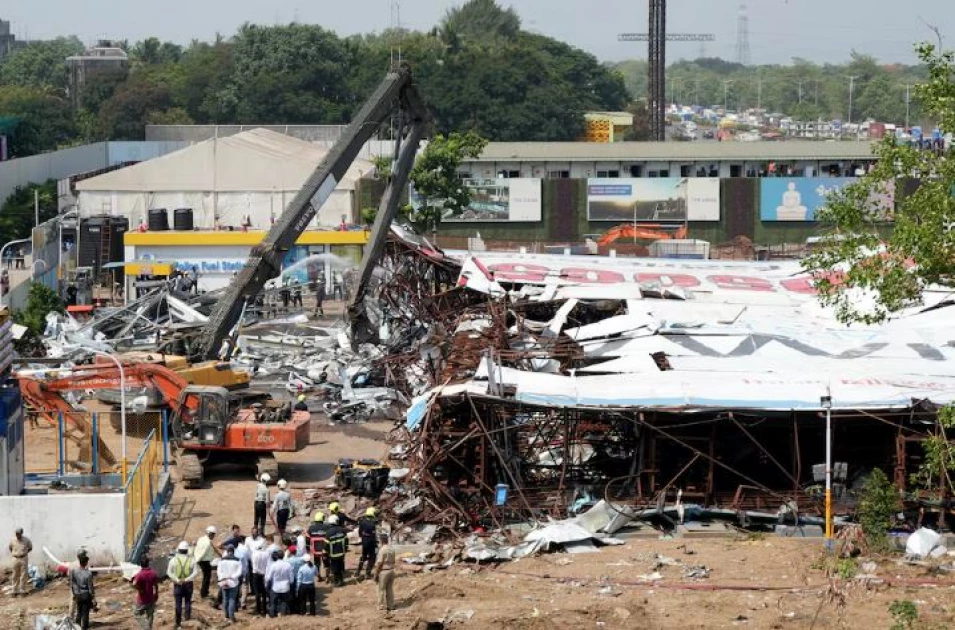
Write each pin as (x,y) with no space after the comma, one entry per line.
(252,175)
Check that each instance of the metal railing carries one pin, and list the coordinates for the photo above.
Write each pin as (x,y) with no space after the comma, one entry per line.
(144,493)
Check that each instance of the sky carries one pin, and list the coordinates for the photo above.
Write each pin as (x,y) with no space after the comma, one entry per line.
(819,30)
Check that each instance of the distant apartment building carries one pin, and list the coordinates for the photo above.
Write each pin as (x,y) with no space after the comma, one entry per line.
(8,41)
(105,58)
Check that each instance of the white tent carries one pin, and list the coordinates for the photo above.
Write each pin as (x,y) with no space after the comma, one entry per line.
(252,174)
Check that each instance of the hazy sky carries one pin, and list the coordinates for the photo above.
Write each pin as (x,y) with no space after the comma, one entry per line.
(821,30)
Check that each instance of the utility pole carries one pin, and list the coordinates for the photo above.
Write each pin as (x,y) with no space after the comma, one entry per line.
(907,101)
(657,38)
(726,83)
(852,80)
(759,91)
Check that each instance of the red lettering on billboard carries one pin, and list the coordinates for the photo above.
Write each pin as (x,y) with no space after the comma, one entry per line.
(594,276)
(669,279)
(802,284)
(741,283)
(518,272)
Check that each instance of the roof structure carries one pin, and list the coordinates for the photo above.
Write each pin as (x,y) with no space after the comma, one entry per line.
(673,151)
(258,160)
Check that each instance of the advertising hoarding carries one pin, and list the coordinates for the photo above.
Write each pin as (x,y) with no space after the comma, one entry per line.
(495,200)
(652,200)
(796,198)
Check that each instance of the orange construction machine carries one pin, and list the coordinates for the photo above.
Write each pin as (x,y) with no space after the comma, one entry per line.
(642,231)
(207,426)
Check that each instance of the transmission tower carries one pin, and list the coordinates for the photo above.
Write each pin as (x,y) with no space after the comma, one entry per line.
(742,36)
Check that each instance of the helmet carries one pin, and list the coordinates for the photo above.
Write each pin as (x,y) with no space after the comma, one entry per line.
(333,507)
(319,517)
(301,397)
(370,512)
(183,546)
(282,483)
(333,520)
(265,478)
(297,529)
(307,557)
(211,529)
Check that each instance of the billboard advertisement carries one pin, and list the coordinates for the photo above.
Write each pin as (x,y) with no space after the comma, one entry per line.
(797,198)
(495,200)
(653,200)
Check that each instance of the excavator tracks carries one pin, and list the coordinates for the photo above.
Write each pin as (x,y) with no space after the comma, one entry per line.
(190,469)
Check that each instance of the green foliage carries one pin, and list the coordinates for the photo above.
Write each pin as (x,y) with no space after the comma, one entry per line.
(45,120)
(856,258)
(124,115)
(905,615)
(938,455)
(878,503)
(172,116)
(40,301)
(435,176)
(383,165)
(481,19)
(151,51)
(17,213)
(41,64)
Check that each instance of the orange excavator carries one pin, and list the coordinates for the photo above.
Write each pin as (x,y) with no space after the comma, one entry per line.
(206,426)
(643,231)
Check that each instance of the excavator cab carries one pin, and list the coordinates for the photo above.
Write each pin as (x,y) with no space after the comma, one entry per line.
(203,415)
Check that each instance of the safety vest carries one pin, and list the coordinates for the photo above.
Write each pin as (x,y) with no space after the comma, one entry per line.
(182,566)
(336,545)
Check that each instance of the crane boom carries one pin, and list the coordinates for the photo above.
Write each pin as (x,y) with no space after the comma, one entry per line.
(396,93)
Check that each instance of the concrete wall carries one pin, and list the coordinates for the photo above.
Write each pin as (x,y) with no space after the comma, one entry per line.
(65,522)
(53,165)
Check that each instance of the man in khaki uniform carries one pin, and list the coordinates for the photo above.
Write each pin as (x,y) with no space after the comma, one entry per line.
(385,575)
(20,548)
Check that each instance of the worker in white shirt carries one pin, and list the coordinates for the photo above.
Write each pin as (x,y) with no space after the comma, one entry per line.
(260,564)
(278,579)
(261,506)
(206,549)
(282,506)
(229,572)
(301,544)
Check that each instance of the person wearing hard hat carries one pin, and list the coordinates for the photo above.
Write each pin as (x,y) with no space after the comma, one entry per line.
(368,533)
(301,545)
(204,552)
(182,572)
(343,519)
(316,543)
(300,404)
(261,502)
(282,507)
(337,544)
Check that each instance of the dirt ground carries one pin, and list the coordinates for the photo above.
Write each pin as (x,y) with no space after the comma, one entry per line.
(755,582)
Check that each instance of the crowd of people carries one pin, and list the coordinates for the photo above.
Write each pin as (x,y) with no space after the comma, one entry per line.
(273,576)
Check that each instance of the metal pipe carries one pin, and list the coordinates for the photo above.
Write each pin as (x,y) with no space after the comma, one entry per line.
(95,445)
(826,402)
(122,402)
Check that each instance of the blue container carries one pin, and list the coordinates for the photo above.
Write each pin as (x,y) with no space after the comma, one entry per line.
(500,494)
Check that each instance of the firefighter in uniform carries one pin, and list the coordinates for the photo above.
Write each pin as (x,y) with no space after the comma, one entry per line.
(336,541)
(368,532)
(316,543)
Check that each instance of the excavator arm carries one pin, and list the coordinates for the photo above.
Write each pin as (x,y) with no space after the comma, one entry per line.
(646,231)
(397,93)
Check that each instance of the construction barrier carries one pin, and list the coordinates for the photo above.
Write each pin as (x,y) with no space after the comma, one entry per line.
(145,493)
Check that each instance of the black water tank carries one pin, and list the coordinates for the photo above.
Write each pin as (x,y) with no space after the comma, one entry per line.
(118,226)
(158,220)
(91,237)
(182,220)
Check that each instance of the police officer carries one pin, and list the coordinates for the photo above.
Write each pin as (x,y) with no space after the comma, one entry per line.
(337,544)
(368,533)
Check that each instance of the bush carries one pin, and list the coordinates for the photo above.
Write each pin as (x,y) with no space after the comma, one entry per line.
(877,505)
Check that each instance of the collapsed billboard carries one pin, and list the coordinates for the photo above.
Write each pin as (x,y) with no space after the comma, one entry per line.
(651,200)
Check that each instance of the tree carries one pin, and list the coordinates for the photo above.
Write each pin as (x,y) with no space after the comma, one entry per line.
(435,177)
(44,120)
(481,19)
(151,51)
(124,115)
(40,301)
(17,213)
(640,129)
(41,64)
(293,74)
(856,257)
